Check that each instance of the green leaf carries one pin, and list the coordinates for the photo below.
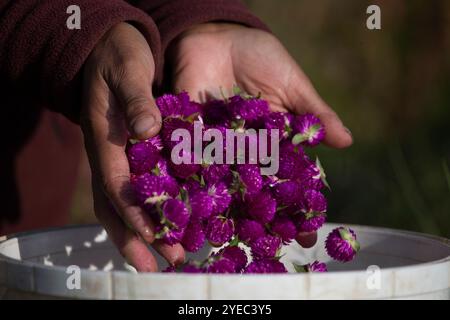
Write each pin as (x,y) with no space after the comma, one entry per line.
(156,170)
(202,181)
(222,93)
(322,173)
(298,138)
(355,245)
(237,91)
(299,268)
(234,242)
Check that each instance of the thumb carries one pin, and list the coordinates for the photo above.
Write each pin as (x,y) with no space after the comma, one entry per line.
(142,115)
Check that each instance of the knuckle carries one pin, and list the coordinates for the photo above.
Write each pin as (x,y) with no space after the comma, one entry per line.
(112,185)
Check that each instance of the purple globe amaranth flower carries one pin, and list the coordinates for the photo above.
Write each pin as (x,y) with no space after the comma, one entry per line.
(236,255)
(248,109)
(186,168)
(169,126)
(214,173)
(219,230)
(265,266)
(310,221)
(281,121)
(174,214)
(169,105)
(314,200)
(194,237)
(287,193)
(341,244)
(250,177)
(142,157)
(285,228)
(261,207)
(177,105)
(221,197)
(308,130)
(291,160)
(191,185)
(265,247)
(170,269)
(215,111)
(192,267)
(221,265)
(249,230)
(161,168)
(314,206)
(312,176)
(315,266)
(168,235)
(149,189)
(202,204)
(170,185)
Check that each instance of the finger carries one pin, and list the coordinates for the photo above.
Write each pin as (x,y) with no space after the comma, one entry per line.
(105,139)
(134,92)
(303,98)
(126,241)
(174,255)
(307,239)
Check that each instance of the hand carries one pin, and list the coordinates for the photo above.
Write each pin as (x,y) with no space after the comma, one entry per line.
(210,56)
(118,102)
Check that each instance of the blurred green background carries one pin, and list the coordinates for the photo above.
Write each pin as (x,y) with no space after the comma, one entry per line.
(391,87)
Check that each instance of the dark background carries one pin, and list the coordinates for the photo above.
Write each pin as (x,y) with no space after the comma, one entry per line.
(391,87)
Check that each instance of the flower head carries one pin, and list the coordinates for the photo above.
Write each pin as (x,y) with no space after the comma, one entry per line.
(265,266)
(175,213)
(250,177)
(313,214)
(341,244)
(315,266)
(250,109)
(202,204)
(284,228)
(177,105)
(312,175)
(142,157)
(281,121)
(219,230)
(149,187)
(221,197)
(236,255)
(291,160)
(194,237)
(249,230)
(261,207)
(287,193)
(214,173)
(308,130)
(221,265)
(265,247)
(185,169)
(169,235)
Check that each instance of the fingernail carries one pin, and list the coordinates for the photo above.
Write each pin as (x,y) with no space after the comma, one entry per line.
(142,125)
(148,235)
(348,131)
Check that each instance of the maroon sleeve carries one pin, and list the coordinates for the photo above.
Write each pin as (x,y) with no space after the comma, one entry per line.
(175,16)
(41,57)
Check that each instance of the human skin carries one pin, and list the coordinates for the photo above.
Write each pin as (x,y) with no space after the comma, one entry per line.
(118,102)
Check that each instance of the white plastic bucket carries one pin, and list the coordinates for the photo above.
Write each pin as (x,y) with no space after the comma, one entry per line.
(392,264)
